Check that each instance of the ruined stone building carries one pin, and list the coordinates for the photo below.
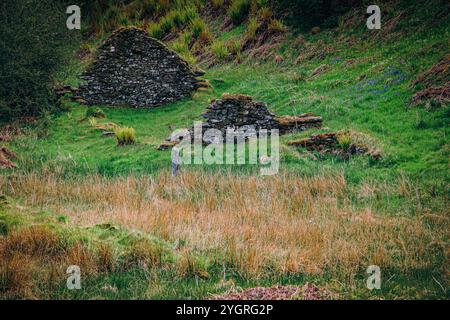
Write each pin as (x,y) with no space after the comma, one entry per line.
(133,69)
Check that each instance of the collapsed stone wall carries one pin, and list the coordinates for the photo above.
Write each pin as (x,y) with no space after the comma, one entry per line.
(134,69)
(239,112)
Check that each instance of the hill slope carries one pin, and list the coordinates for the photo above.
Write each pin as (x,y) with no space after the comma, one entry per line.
(323,219)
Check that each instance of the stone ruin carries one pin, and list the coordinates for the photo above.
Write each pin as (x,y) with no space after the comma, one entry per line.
(332,143)
(134,69)
(240,112)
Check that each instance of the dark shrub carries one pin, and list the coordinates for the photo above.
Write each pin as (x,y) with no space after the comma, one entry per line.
(32,36)
(311,13)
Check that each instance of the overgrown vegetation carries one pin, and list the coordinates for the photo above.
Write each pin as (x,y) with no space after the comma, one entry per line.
(307,14)
(75,197)
(243,241)
(238,10)
(125,135)
(32,47)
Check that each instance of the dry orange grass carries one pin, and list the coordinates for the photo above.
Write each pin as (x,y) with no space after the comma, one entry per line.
(284,223)
(33,260)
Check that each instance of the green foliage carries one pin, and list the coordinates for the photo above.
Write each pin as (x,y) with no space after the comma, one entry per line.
(276,25)
(113,18)
(176,19)
(125,135)
(168,23)
(297,77)
(218,3)
(181,46)
(33,37)
(252,28)
(154,30)
(8,222)
(197,27)
(93,112)
(219,50)
(173,21)
(93,122)
(265,14)
(307,13)
(74,150)
(344,141)
(239,10)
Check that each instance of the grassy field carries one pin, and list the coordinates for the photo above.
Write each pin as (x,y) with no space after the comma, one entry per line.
(138,233)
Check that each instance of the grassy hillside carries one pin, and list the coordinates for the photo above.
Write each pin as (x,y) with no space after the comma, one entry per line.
(78,198)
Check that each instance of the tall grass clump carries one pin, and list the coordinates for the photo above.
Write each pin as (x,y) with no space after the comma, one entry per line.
(181,46)
(125,135)
(265,14)
(173,21)
(220,50)
(239,10)
(234,46)
(92,112)
(344,141)
(217,4)
(276,25)
(154,30)
(198,26)
(252,28)
(259,224)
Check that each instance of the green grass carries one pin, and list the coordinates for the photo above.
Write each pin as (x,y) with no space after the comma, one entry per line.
(413,140)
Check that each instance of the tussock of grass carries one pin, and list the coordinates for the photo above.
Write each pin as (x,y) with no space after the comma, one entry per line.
(154,30)
(125,135)
(220,50)
(94,113)
(252,28)
(197,27)
(276,25)
(238,10)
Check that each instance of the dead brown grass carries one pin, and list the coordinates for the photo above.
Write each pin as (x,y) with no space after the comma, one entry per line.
(33,261)
(438,74)
(284,223)
(5,158)
(434,83)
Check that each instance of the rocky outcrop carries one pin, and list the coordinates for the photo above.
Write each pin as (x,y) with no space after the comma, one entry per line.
(134,69)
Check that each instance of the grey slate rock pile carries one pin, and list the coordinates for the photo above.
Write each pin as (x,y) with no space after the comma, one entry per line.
(134,69)
(237,112)
(240,113)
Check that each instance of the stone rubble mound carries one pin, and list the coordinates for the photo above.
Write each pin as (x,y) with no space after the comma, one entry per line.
(328,143)
(133,69)
(239,112)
